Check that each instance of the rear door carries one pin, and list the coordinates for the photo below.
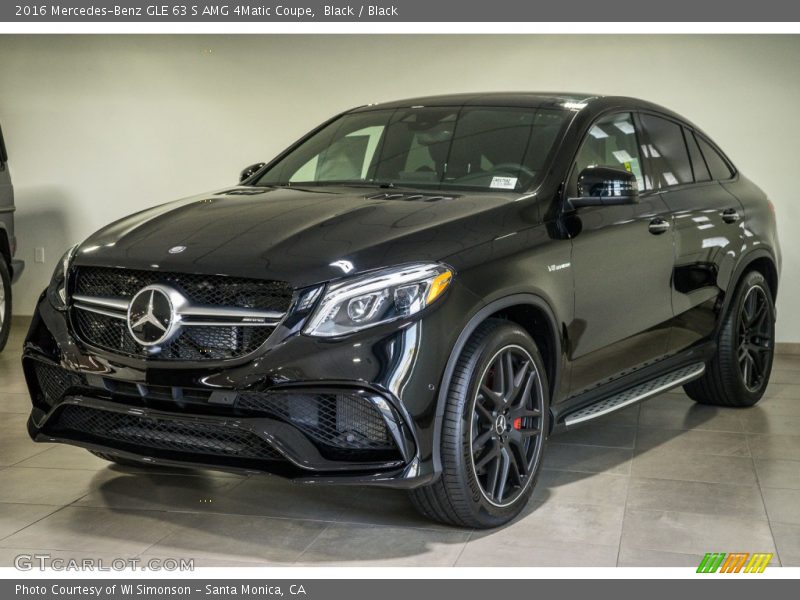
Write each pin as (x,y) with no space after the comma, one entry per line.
(622,258)
(686,171)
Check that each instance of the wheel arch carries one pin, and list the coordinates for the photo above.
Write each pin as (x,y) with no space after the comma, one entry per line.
(761,260)
(533,314)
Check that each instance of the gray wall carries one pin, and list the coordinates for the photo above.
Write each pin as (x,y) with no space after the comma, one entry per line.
(101,126)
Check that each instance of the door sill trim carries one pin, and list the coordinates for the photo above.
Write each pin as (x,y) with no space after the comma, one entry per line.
(635,394)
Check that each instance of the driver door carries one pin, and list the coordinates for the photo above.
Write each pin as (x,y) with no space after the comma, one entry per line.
(622,258)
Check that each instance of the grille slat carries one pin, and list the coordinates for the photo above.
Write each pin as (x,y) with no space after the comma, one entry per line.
(115,428)
(195,343)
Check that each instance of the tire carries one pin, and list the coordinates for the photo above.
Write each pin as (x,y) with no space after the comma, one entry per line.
(125,462)
(5,303)
(490,429)
(738,374)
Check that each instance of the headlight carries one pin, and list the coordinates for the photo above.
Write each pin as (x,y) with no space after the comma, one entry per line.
(57,290)
(376,298)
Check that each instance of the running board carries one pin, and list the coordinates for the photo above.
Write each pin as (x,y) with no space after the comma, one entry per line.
(640,392)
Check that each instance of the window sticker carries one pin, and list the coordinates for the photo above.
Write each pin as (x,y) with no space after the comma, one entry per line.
(634,167)
(504,183)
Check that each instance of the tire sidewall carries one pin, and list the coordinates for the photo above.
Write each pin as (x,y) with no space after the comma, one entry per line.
(503,336)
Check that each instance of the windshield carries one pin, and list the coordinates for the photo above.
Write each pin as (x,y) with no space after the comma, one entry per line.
(484,148)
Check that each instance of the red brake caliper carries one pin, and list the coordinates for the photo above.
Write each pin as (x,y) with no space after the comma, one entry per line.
(518,423)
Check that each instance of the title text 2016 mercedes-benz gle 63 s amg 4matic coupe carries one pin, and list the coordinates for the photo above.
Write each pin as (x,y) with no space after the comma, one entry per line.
(417,295)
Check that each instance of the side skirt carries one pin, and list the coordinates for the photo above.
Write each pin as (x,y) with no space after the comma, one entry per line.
(636,387)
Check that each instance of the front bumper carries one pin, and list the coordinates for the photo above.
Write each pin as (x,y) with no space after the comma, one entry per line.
(360,410)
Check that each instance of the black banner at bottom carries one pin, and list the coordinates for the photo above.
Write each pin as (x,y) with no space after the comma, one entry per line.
(733,587)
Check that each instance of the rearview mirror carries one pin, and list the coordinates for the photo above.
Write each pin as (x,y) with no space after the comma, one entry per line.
(603,186)
(248,172)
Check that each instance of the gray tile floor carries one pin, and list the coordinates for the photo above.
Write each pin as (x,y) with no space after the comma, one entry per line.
(655,485)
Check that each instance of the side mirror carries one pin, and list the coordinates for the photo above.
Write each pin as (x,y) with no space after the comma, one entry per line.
(603,186)
(248,172)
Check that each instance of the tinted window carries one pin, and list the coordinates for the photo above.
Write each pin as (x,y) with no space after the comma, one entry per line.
(716,164)
(698,163)
(486,148)
(669,158)
(611,142)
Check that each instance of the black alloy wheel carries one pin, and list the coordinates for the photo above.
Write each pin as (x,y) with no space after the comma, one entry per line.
(756,342)
(506,433)
(738,374)
(494,430)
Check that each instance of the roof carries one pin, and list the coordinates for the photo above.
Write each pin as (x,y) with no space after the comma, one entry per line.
(524,99)
(596,103)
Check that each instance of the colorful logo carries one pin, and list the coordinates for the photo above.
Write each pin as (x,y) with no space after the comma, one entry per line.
(735,562)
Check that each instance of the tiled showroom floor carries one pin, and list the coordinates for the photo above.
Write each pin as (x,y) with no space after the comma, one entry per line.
(655,485)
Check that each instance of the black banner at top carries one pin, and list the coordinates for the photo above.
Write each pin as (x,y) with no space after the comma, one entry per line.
(464,11)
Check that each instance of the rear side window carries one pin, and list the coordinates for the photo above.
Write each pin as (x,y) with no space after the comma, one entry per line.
(669,159)
(716,164)
(698,162)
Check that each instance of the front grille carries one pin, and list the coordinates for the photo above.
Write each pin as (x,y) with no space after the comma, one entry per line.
(196,343)
(54,382)
(212,290)
(122,429)
(343,425)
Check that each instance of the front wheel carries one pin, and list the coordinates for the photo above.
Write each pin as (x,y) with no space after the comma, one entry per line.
(738,374)
(494,430)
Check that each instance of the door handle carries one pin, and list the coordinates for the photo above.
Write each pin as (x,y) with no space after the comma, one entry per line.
(730,215)
(658,226)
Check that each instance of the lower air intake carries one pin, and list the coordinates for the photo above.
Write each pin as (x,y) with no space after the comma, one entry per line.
(122,430)
(343,425)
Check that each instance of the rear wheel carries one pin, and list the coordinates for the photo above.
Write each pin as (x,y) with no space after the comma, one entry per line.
(739,372)
(494,430)
(5,303)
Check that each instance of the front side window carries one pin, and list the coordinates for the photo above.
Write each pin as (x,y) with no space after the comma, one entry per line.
(486,148)
(611,142)
(666,148)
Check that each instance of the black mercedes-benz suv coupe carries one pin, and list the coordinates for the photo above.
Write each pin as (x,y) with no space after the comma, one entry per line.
(417,295)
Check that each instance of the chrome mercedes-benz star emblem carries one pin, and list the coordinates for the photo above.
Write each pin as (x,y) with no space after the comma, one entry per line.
(151,315)
(500,425)
(177,249)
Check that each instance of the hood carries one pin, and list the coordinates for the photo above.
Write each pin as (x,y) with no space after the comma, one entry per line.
(302,236)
